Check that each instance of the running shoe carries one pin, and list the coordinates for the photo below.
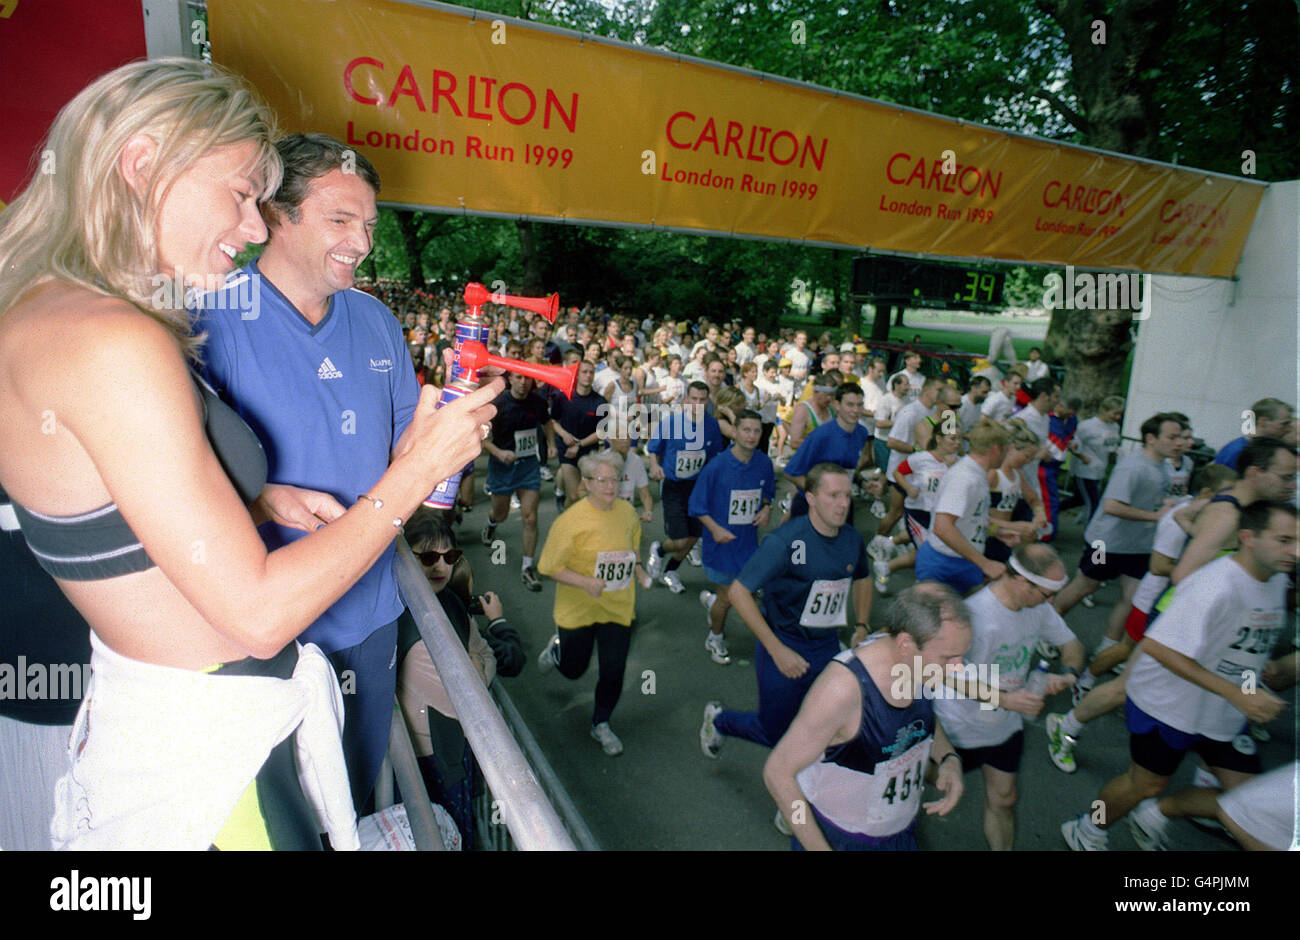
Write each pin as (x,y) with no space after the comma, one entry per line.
(1060,746)
(1260,733)
(514,500)
(530,579)
(1088,602)
(654,562)
(782,826)
(672,582)
(695,556)
(878,509)
(547,474)
(488,534)
(1075,837)
(881,548)
(548,659)
(710,737)
(609,741)
(787,503)
(881,568)
(1082,686)
(1147,825)
(716,645)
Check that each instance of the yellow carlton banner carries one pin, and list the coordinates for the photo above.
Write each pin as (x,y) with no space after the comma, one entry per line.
(465,111)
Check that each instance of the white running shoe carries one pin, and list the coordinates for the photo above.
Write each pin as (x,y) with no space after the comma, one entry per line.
(514,500)
(654,562)
(1147,824)
(881,568)
(609,741)
(547,661)
(711,738)
(672,582)
(716,645)
(880,548)
(547,474)
(782,826)
(695,556)
(1088,602)
(1077,839)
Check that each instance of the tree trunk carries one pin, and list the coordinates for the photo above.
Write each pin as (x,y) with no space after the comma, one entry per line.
(898,315)
(408,224)
(1056,345)
(880,323)
(812,298)
(1097,346)
(532,269)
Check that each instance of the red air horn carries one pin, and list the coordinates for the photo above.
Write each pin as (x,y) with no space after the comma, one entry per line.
(472,329)
(475,356)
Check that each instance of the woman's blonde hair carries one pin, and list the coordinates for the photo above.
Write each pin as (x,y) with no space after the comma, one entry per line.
(986,435)
(79,220)
(1021,436)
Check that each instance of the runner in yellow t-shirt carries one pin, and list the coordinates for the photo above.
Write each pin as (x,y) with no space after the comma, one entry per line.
(591,552)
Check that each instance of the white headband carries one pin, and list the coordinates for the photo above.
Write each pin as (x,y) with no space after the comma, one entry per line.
(1038,579)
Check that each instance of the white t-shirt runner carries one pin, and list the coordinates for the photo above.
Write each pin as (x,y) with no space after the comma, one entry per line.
(1229,623)
(964,493)
(634,476)
(927,473)
(904,431)
(1170,541)
(1002,639)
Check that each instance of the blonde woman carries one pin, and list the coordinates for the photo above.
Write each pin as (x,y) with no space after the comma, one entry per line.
(140,493)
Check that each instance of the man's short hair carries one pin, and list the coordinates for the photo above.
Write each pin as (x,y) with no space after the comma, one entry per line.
(1211,477)
(1111,402)
(819,471)
(1258,516)
(1153,424)
(748,414)
(308,156)
(1259,453)
(931,382)
(900,377)
(699,385)
(921,611)
(1037,557)
(980,380)
(1270,409)
(1040,387)
(848,388)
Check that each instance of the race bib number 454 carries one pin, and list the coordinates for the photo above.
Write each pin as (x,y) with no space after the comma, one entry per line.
(827,604)
(615,569)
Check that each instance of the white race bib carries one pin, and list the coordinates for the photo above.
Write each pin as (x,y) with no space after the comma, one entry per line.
(894,795)
(743,506)
(615,569)
(689,463)
(526,443)
(1007,500)
(827,604)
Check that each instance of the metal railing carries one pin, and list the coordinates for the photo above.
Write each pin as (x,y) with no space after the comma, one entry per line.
(516,798)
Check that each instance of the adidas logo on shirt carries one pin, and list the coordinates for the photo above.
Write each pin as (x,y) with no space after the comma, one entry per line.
(328,371)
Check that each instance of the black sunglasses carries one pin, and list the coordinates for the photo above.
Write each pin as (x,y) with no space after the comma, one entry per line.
(428,558)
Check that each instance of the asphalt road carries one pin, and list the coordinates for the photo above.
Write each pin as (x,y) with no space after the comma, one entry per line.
(663,793)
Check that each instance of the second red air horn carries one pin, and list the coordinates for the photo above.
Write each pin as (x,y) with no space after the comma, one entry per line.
(475,356)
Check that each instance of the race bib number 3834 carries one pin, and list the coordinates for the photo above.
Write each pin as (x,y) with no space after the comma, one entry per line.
(615,569)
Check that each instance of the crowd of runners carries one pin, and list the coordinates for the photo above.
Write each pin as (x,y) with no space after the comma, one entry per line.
(701,426)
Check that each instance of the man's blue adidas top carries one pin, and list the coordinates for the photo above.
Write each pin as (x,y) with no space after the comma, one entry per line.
(731,493)
(829,443)
(328,401)
(683,449)
(794,558)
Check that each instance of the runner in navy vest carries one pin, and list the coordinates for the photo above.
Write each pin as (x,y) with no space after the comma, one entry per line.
(732,499)
(806,569)
(514,465)
(866,740)
(679,448)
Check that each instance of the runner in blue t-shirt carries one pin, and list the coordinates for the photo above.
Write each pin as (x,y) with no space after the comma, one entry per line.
(806,569)
(842,441)
(680,446)
(732,499)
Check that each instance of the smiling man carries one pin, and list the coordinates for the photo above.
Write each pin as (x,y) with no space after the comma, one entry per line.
(320,371)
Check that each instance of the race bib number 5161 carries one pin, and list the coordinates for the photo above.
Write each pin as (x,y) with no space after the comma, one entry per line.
(826,605)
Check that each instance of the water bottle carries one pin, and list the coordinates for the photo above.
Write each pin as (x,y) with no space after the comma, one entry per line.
(1036,684)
